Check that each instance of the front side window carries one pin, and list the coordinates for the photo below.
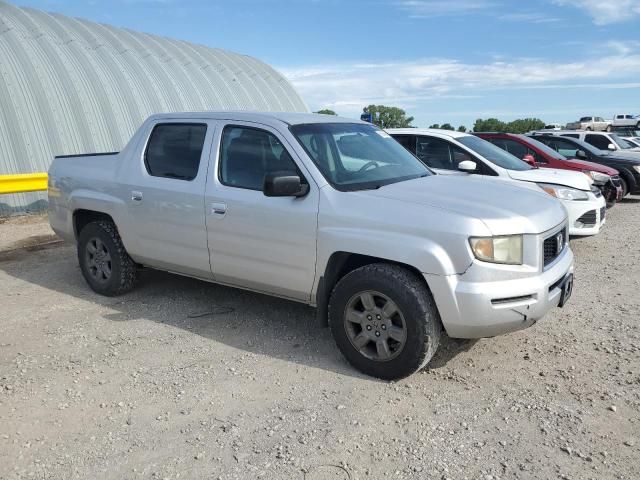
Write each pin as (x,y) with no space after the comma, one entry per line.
(353,156)
(598,141)
(248,154)
(494,154)
(174,150)
(435,153)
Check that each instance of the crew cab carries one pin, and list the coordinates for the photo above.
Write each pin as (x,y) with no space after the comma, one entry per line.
(463,153)
(627,164)
(322,210)
(590,123)
(539,155)
(626,120)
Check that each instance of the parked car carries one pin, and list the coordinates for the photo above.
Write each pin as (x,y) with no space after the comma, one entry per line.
(590,123)
(633,140)
(626,120)
(325,211)
(539,155)
(553,126)
(462,153)
(627,164)
(602,140)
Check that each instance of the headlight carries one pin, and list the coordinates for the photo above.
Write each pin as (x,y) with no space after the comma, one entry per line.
(636,168)
(600,177)
(506,249)
(564,193)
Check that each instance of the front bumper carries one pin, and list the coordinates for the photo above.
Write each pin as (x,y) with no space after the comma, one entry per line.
(586,217)
(473,308)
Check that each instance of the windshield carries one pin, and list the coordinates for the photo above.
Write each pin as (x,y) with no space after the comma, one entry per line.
(622,143)
(494,154)
(550,152)
(354,156)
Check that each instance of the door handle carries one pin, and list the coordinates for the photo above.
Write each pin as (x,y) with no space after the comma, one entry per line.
(219,208)
(136,196)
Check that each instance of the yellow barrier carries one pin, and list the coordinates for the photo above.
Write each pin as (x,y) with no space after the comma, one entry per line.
(27,182)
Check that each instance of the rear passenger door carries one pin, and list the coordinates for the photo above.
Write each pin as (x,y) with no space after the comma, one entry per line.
(257,242)
(165,194)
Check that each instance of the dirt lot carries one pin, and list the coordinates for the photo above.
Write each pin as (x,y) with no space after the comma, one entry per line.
(191,380)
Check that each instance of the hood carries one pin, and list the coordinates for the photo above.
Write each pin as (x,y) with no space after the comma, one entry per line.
(625,156)
(504,206)
(552,175)
(596,167)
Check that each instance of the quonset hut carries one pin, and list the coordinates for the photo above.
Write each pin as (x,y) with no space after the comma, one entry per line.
(72,86)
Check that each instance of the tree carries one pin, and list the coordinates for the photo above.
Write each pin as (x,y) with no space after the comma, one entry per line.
(388,117)
(462,128)
(447,126)
(326,111)
(435,125)
(521,125)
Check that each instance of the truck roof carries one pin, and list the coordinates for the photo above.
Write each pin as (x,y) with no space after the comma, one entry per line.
(250,116)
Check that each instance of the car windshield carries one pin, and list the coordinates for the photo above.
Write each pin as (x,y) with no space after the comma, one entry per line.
(550,152)
(621,142)
(494,154)
(353,156)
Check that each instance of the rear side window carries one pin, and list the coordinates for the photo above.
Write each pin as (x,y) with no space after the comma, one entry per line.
(598,141)
(248,154)
(174,150)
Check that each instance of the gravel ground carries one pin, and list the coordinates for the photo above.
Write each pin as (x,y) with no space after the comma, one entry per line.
(184,379)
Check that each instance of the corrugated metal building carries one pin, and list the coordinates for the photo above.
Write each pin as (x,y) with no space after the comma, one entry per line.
(73,86)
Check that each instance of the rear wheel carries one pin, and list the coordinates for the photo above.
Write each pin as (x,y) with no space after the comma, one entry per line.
(384,321)
(105,264)
(609,128)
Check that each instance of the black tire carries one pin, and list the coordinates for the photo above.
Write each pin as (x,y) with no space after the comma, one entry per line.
(415,308)
(609,128)
(588,129)
(625,186)
(123,270)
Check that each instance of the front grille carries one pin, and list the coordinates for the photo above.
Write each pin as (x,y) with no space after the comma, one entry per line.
(553,246)
(603,213)
(588,219)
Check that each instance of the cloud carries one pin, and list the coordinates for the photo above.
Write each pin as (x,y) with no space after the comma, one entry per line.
(349,87)
(438,8)
(528,17)
(604,12)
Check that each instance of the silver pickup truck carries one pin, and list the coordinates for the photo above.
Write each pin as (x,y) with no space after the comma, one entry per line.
(322,210)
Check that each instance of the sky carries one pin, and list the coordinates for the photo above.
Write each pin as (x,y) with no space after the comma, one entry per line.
(440,60)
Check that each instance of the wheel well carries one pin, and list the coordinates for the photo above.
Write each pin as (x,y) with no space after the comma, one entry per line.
(83,217)
(339,265)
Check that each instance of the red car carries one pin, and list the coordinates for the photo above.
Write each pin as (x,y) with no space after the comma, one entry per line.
(538,154)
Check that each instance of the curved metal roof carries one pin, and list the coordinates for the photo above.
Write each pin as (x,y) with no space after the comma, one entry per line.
(73,86)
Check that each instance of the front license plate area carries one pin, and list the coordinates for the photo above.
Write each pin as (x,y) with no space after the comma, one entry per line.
(567,289)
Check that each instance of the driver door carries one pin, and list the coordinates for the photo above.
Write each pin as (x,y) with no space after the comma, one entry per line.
(257,242)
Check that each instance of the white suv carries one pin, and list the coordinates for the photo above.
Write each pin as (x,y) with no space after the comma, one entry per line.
(602,140)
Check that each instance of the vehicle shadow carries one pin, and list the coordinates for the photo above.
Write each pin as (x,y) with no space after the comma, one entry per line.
(248,321)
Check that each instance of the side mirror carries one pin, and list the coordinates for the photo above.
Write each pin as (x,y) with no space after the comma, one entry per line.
(284,185)
(581,154)
(467,166)
(529,159)
(611,146)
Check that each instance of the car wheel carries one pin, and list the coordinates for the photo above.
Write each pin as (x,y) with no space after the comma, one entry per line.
(105,264)
(609,128)
(384,320)
(588,129)
(625,187)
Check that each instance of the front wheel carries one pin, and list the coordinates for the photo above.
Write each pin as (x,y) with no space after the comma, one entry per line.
(625,187)
(384,321)
(105,264)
